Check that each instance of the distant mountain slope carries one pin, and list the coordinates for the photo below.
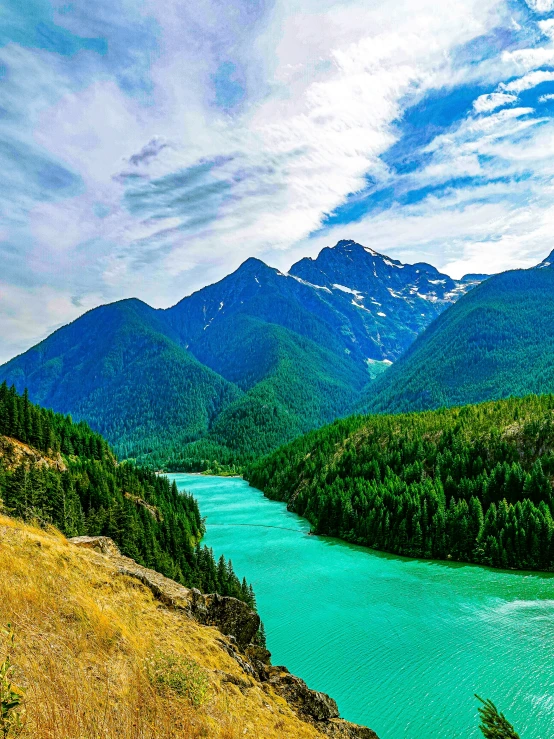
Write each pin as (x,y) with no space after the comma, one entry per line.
(349,299)
(495,342)
(241,366)
(292,385)
(119,368)
(389,303)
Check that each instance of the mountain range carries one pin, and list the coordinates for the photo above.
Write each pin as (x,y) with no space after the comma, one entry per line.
(241,366)
(498,341)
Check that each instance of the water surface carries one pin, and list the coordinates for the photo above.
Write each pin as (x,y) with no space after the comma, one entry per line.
(402,645)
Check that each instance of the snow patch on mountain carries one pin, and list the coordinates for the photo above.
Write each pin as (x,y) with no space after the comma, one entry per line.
(309,284)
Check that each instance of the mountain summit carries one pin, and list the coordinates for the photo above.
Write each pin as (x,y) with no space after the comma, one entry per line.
(389,303)
(495,342)
(243,365)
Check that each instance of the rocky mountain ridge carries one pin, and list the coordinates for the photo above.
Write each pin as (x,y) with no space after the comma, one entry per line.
(241,366)
(496,342)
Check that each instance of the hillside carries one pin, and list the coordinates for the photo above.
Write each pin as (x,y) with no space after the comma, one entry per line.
(60,473)
(241,366)
(106,648)
(472,484)
(121,368)
(497,341)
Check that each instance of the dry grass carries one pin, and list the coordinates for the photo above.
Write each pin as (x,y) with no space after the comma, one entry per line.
(85,637)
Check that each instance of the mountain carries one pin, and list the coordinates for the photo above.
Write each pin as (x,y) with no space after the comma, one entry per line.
(121,368)
(497,341)
(472,484)
(239,367)
(388,303)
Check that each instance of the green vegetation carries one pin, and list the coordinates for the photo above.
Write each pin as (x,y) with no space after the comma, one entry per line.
(471,484)
(495,342)
(182,676)
(82,489)
(240,367)
(494,725)
(12,697)
(302,386)
(122,369)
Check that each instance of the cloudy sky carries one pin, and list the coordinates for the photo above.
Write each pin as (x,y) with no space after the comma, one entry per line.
(148,148)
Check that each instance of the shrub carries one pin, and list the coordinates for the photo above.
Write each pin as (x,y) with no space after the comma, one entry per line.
(181,676)
(12,697)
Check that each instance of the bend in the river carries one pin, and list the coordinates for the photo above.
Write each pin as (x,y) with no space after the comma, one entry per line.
(402,645)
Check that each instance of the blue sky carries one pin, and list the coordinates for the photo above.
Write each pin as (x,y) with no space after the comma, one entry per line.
(148,148)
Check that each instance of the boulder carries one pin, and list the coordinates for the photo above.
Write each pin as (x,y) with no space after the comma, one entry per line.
(231,616)
(101,544)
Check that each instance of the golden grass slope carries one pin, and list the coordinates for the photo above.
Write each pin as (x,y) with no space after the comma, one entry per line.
(92,646)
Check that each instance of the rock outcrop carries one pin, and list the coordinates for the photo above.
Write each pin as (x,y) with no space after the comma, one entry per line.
(152,509)
(14,452)
(239,625)
(231,616)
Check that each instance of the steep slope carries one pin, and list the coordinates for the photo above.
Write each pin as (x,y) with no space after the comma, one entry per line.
(388,303)
(302,345)
(472,484)
(240,366)
(121,368)
(291,386)
(350,300)
(106,648)
(57,472)
(495,342)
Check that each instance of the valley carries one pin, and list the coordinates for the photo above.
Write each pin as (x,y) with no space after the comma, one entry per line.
(277,369)
(260,374)
(240,367)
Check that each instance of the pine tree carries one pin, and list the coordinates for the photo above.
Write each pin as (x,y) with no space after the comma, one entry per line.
(494,725)
(93,494)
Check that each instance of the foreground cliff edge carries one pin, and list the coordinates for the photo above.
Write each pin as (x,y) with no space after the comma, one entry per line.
(107,648)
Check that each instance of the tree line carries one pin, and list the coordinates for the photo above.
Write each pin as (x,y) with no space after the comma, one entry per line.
(472,484)
(79,487)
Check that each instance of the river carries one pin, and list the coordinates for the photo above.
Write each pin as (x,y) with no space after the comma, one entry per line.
(402,645)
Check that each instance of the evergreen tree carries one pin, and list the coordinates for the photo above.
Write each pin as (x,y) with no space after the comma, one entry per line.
(494,725)
(89,492)
(472,484)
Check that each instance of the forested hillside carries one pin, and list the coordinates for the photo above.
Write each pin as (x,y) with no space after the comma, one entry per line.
(121,369)
(291,386)
(497,341)
(239,367)
(55,471)
(472,484)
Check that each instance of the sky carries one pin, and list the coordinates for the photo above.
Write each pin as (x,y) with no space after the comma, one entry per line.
(148,148)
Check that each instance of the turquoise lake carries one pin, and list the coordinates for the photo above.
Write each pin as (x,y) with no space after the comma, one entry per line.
(402,645)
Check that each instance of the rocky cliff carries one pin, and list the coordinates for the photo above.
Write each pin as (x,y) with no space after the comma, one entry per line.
(238,625)
(14,452)
(107,648)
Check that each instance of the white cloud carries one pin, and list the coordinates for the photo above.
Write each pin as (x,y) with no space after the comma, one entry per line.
(326,84)
(527,82)
(547,27)
(28,314)
(541,6)
(492,101)
(527,59)
(301,156)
